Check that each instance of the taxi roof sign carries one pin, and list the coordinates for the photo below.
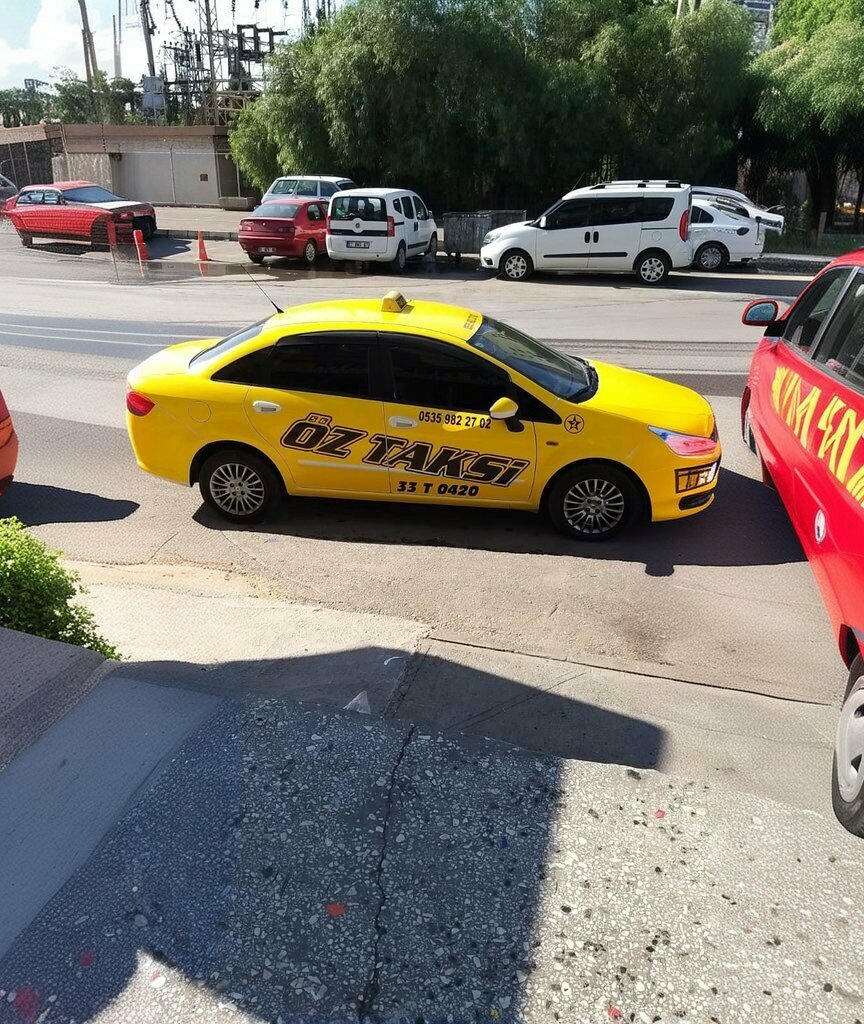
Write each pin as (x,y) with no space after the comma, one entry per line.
(394,302)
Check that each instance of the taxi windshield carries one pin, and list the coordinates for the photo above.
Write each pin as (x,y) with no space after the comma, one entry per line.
(564,376)
(227,343)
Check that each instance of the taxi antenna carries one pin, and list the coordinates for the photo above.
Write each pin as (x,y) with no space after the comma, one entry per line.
(260,289)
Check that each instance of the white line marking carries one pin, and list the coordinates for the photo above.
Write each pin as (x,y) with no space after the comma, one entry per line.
(92,330)
(83,341)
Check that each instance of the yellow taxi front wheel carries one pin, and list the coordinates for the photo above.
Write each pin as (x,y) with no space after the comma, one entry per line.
(240,486)
(593,502)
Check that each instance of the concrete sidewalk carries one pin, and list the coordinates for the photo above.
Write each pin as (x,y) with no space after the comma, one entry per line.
(296,864)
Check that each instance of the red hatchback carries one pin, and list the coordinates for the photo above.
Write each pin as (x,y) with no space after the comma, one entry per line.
(77,210)
(297,227)
(8,447)
(803,412)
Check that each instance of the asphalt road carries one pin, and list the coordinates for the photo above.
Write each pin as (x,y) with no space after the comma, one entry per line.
(726,594)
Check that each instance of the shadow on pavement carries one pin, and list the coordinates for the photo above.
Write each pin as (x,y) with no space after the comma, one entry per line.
(302,864)
(746,525)
(455,693)
(40,504)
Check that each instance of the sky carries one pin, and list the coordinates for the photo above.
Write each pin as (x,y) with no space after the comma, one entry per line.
(37,36)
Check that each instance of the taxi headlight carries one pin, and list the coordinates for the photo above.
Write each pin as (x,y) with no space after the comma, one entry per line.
(685,444)
(488,237)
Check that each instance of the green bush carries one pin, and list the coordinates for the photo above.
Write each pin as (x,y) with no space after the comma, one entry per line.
(36,592)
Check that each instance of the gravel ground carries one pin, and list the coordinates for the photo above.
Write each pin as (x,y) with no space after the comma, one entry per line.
(299,865)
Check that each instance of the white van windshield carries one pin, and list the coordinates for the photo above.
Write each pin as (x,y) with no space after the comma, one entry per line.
(358,208)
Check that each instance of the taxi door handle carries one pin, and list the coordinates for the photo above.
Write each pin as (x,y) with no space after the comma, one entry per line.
(402,421)
(266,407)
(587,236)
(596,236)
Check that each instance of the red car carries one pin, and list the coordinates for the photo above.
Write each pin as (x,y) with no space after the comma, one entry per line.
(803,412)
(8,447)
(279,227)
(77,210)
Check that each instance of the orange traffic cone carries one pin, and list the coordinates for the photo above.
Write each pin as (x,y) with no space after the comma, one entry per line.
(202,251)
(141,246)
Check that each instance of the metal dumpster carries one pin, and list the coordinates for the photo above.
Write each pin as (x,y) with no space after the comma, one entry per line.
(464,232)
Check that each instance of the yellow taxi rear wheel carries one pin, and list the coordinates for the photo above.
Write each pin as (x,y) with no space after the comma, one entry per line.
(593,502)
(240,486)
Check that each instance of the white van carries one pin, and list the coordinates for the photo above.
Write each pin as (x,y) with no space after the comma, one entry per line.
(639,227)
(387,225)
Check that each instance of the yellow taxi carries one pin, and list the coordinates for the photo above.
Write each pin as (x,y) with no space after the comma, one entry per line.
(399,400)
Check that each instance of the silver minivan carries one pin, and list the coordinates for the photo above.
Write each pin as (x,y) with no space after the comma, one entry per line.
(306,186)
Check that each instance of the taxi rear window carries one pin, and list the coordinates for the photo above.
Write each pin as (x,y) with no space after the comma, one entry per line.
(227,344)
(358,208)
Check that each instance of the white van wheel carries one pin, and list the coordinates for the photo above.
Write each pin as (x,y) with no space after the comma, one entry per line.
(433,246)
(401,259)
(516,265)
(653,267)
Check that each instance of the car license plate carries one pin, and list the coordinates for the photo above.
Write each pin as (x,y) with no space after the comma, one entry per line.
(266,249)
(358,245)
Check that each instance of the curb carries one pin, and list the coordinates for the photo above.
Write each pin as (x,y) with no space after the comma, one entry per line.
(210,236)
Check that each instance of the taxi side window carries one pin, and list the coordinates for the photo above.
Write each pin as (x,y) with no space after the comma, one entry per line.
(426,375)
(842,345)
(813,307)
(407,207)
(29,198)
(327,365)
(252,369)
(571,214)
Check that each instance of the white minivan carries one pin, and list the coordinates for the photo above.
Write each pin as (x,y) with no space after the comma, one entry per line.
(639,227)
(386,225)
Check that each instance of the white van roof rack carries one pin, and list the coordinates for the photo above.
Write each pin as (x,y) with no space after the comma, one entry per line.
(641,183)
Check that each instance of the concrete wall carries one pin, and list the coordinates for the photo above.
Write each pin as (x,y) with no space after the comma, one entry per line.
(97,167)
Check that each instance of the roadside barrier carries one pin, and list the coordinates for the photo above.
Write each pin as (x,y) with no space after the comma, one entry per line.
(202,250)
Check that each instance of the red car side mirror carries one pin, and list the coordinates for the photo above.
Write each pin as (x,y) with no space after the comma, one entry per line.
(760,313)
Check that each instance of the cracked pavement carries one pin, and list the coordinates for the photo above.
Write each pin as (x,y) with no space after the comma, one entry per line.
(292,865)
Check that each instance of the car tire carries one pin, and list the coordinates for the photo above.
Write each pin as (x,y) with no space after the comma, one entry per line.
(99,238)
(146,225)
(401,258)
(747,430)
(433,246)
(310,253)
(240,486)
(516,265)
(847,773)
(592,502)
(653,267)
(711,256)
(255,258)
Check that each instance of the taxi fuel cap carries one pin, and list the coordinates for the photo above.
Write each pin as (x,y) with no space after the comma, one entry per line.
(394,302)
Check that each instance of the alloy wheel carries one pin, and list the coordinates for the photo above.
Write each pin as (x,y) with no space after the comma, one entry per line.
(516,266)
(710,258)
(850,747)
(237,489)
(652,269)
(594,506)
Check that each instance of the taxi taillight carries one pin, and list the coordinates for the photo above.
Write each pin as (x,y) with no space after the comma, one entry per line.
(684,225)
(391,227)
(138,404)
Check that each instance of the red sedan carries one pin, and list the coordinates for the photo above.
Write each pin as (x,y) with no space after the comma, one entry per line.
(8,447)
(279,228)
(77,210)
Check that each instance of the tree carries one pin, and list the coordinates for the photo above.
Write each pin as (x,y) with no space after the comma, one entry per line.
(813,97)
(22,107)
(112,101)
(500,102)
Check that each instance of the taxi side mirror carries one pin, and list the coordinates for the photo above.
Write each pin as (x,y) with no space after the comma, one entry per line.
(542,222)
(760,313)
(506,409)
